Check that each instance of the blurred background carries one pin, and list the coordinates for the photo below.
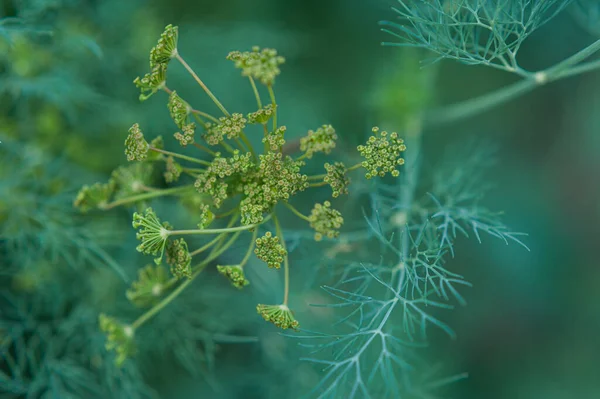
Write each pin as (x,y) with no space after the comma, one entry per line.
(532,322)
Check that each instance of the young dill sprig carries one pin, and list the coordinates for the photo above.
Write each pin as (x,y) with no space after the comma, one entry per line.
(152,82)
(173,170)
(166,48)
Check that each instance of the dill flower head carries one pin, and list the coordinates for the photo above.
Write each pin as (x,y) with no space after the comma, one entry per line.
(166,48)
(336,178)
(152,233)
(149,286)
(269,250)
(136,146)
(280,315)
(119,337)
(263,115)
(178,109)
(235,274)
(275,139)
(228,126)
(152,82)
(173,170)
(382,153)
(321,140)
(326,221)
(179,258)
(186,136)
(262,65)
(95,196)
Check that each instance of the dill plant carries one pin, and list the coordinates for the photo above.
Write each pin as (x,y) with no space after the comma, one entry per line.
(231,183)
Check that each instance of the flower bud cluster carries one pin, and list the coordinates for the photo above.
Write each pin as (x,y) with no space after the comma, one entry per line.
(149,286)
(229,127)
(269,250)
(337,178)
(119,337)
(382,154)
(326,221)
(322,140)
(263,115)
(280,315)
(262,65)
(235,274)
(179,258)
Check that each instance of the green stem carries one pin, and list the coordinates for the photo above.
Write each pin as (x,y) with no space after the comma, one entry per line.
(255,90)
(474,106)
(350,169)
(180,156)
(217,231)
(296,212)
(201,83)
(250,248)
(204,114)
(320,184)
(286,262)
(205,149)
(207,246)
(145,196)
(272,95)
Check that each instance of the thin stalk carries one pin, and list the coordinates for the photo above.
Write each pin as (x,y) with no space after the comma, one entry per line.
(205,149)
(201,83)
(320,184)
(250,248)
(204,114)
(255,90)
(272,96)
(144,196)
(180,156)
(474,106)
(286,262)
(296,212)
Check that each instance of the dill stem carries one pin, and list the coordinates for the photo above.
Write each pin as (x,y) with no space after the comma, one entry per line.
(144,196)
(272,96)
(204,114)
(255,90)
(205,149)
(208,245)
(217,231)
(296,212)
(201,83)
(320,184)
(286,262)
(476,105)
(180,156)
(250,248)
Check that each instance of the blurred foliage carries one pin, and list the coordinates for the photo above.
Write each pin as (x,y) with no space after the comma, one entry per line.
(66,102)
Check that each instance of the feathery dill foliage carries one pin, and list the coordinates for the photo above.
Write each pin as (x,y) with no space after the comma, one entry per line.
(233,188)
(473,31)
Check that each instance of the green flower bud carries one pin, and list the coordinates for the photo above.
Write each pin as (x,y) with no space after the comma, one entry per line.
(336,178)
(325,221)
(280,315)
(235,274)
(382,154)
(148,288)
(166,48)
(173,170)
(179,258)
(119,337)
(321,140)
(269,250)
(262,65)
